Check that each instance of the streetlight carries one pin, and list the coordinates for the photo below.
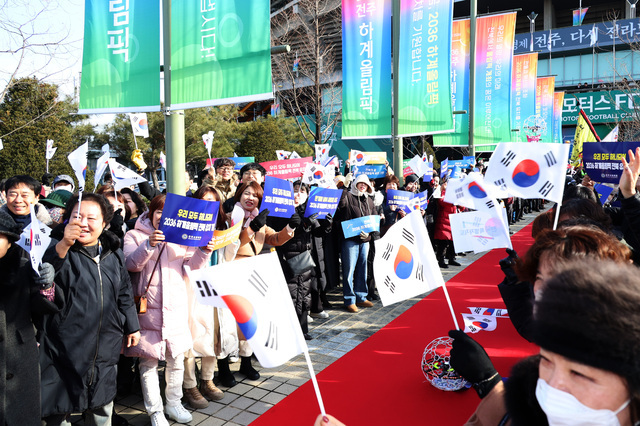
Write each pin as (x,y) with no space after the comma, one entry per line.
(532,26)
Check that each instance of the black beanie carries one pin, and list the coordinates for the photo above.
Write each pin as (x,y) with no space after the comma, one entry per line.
(411,178)
(9,227)
(589,312)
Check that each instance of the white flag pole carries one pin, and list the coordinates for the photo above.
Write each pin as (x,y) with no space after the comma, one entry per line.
(453,315)
(135,141)
(316,388)
(79,204)
(555,221)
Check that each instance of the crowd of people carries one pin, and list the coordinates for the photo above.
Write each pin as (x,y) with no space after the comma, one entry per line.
(112,298)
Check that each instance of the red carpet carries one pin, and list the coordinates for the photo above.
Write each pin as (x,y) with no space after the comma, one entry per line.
(380,382)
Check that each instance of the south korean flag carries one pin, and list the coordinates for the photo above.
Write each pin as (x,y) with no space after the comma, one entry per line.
(529,170)
(471,192)
(405,264)
(315,174)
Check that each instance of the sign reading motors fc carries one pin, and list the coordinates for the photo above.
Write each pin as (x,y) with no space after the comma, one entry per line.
(602,107)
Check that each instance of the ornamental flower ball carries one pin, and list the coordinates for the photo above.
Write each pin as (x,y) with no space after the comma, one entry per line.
(436,366)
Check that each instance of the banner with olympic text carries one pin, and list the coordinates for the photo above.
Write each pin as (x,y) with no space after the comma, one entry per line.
(602,159)
(558,99)
(287,169)
(366,224)
(523,89)
(323,201)
(544,106)
(366,69)
(222,238)
(278,197)
(188,221)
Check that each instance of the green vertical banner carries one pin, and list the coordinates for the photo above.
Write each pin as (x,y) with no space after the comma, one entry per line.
(424,75)
(220,53)
(558,101)
(460,54)
(366,69)
(120,57)
(494,57)
(544,106)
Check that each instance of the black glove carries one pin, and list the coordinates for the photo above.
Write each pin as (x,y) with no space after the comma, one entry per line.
(507,265)
(116,223)
(295,221)
(312,221)
(471,361)
(327,222)
(259,221)
(47,274)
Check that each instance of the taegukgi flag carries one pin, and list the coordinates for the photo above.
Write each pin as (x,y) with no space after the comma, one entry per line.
(163,160)
(256,292)
(139,124)
(479,231)
(405,265)
(207,139)
(471,192)
(282,154)
(322,151)
(78,160)
(50,149)
(316,174)
(101,166)
(35,240)
(358,158)
(123,176)
(529,170)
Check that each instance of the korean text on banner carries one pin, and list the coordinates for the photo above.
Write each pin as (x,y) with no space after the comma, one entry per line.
(366,69)
(494,54)
(278,197)
(373,171)
(424,94)
(405,265)
(544,106)
(287,169)
(220,53)
(460,54)
(323,201)
(188,221)
(558,99)
(523,93)
(222,238)
(366,224)
(396,197)
(256,292)
(120,57)
(602,159)
(479,231)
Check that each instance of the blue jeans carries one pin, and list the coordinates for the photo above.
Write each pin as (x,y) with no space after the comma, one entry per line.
(354,271)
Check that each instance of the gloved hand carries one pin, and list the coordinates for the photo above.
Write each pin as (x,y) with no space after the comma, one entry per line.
(471,361)
(312,221)
(295,221)
(138,160)
(47,274)
(328,221)
(507,265)
(259,221)
(364,235)
(116,223)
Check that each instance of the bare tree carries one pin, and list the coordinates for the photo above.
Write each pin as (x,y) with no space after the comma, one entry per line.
(313,29)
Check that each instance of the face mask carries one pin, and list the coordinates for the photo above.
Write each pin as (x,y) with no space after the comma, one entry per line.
(302,197)
(65,187)
(564,409)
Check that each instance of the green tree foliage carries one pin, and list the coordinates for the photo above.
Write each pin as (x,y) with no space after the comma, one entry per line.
(265,136)
(31,113)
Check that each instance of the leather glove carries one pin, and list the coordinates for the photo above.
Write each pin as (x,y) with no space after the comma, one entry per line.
(259,221)
(364,235)
(327,222)
(138,160)
(471,361)
(312,221)
(47,274)
(507,265)
(295,221)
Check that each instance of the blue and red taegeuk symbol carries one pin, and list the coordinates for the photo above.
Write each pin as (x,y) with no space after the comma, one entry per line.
(403,265)
(318,174)
(476,190)
(492,227)
(526,173)
(480,324)
(142,124)
(359,157)
(244,314)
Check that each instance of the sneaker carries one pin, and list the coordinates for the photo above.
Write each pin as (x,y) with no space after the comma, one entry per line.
(210,391)
(178,413)
(158,419)
(319,315)
(194,398)
(309,319)
(365,304)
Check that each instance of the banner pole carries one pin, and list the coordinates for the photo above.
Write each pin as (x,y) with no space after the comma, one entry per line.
(472,72)
(398,154)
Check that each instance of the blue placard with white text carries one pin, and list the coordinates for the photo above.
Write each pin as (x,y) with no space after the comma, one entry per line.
(188,221)
(367,224)
(322,201)
(373,171)
(601,160)
(278,197)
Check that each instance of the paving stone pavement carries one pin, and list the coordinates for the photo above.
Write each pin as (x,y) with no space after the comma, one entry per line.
(332,338)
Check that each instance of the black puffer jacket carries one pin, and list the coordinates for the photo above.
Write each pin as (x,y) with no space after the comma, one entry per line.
(81,345)
(353,206)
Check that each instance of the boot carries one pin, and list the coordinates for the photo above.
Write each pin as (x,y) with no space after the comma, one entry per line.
(247,369)
(210,391)
(194,398)
(224,374)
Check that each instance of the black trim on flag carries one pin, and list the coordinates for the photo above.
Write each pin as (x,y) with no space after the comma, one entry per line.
(508,158)
(258,283)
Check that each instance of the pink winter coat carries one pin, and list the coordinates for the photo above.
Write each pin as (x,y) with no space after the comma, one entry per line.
(165,326)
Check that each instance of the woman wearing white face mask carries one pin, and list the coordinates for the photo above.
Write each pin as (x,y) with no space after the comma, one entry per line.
(587,324)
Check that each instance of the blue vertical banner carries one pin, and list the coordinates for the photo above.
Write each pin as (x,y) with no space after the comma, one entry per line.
(366,69)
(323,201)
(424,83)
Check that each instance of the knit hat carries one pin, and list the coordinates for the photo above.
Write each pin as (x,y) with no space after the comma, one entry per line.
(57,198)
(411,178)
(64,178)
(362,178)
(9,227)
(588,312)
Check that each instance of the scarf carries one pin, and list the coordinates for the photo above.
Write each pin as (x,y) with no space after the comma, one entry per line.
(248,215)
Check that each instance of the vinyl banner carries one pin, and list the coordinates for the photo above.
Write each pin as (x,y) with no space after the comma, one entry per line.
(120,57)
(494,54)
(544,106)
(365,224)
(424,89)
(323,201)
(523,92)
(278,197)
(558,99)
(220,52)
(188,221)
(287,169)
(460,53)
(366,69)
(602,159)
(373,171)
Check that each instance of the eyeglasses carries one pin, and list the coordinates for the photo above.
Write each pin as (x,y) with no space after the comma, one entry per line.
(225,169)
